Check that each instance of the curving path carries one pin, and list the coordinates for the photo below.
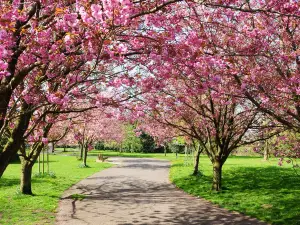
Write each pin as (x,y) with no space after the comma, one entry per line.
(138,191)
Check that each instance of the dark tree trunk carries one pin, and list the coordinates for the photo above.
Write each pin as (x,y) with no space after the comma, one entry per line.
(5,95)
(217,176)
(14,143)
(25,186)
(81,152)
(28,162)
(9,151)
(196,164)
(85,156)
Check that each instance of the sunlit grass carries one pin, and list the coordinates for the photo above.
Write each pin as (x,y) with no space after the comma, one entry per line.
(16,208)
(251,186)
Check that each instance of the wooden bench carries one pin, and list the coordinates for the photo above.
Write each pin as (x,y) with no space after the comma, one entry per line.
(102,158)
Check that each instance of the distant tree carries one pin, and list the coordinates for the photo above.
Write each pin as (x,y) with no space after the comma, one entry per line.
(148,142)
(131,142)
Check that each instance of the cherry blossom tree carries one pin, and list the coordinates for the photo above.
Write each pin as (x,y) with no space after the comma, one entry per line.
(251,48)
(219,121)
(92,126)
(55,52)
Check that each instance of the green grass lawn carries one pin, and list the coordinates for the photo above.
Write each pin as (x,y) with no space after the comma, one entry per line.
(16,208)
(251,186)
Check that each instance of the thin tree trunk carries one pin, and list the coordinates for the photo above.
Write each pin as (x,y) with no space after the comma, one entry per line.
(217,176)
(51,147)
(25,186)
(196,164)
(85,156)
(266,151)
(81,152)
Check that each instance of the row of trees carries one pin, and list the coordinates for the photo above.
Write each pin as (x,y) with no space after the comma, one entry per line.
(213,71)
(56,59)
(226,74)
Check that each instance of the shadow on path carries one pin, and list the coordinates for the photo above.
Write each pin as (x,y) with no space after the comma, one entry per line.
(138,192)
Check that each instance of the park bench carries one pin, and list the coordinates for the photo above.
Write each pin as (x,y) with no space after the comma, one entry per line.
(102,158)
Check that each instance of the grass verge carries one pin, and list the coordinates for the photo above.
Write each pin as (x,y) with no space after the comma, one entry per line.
(16,208)
(251,186)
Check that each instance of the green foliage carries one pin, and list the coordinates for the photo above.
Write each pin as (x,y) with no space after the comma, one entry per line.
(177,145)
(259,189)
(148,143)
(100,145)
(176,148)
(132,143)
(40,208)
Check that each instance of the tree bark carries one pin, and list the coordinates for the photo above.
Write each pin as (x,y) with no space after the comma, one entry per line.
(14,143)
(85,156)
(266,151)
(81,152)
(217,176)
(51,147)
(4,101)
(25,186)
(196,164)
(28,162)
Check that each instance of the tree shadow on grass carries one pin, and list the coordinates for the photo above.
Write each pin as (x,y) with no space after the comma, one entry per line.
(8,182)
(269,193)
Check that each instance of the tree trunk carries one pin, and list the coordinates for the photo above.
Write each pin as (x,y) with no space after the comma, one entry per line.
(266,151)
(51,147)
(217,176)
(85,156)
(28,162)
(25,186)
(5,95)
(81,152)
(14,143)
(196,165)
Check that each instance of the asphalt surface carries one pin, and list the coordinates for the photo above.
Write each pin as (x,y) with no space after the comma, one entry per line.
(138,191)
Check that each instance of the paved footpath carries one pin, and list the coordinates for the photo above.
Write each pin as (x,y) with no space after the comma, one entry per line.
(138,191)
